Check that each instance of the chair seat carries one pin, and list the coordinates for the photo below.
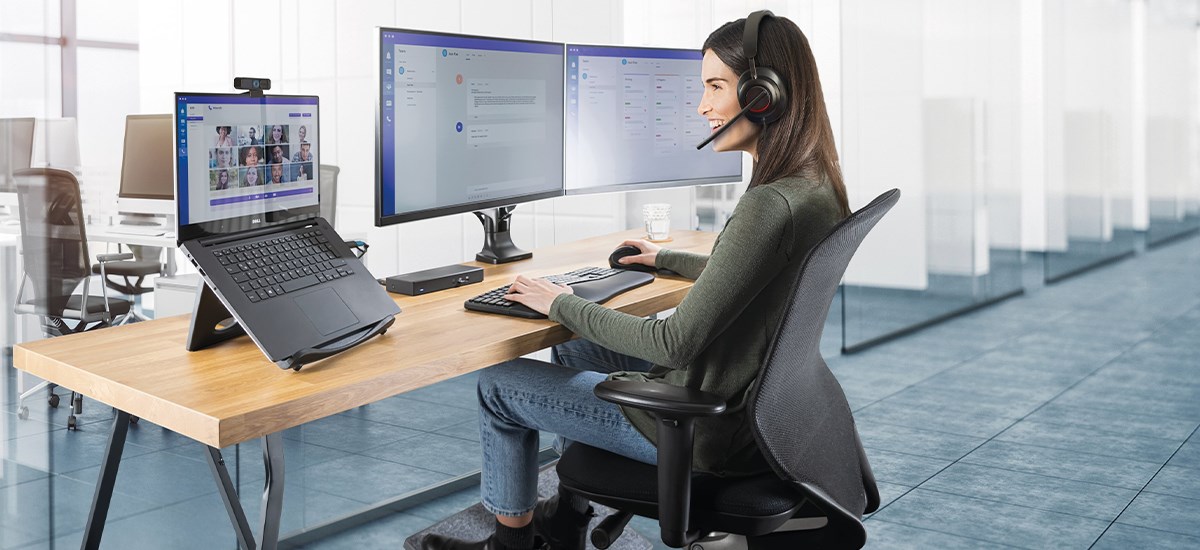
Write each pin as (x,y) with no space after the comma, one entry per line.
(129,268)
(95,307)
(598,472)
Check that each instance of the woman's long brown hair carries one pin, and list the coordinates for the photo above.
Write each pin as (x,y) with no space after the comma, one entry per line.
(801,141)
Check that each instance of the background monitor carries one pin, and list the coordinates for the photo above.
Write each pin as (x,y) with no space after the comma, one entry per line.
(16,149)
(56,144)
(147,180)
(466,123)
(632,121)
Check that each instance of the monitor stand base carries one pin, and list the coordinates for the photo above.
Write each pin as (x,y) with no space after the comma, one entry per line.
(498,247)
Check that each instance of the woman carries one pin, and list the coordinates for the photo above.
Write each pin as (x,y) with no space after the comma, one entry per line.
(222,181)
(250,156)
(223,137)
(251,178)
(715,340)
(277,136)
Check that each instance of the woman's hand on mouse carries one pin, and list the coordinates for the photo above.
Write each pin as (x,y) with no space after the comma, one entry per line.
(536,294)
(649,253)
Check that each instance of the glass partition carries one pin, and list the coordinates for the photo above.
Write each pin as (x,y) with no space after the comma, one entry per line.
(1089,206)
(1171,144)
(936,70)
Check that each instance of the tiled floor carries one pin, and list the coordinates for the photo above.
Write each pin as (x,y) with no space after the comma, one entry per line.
(1065,418)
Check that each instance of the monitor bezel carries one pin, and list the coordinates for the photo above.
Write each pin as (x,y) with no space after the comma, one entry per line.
(251,221)
(641,185)
(121,194)
(402,217)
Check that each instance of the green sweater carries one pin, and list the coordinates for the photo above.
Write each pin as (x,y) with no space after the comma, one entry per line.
(718,337)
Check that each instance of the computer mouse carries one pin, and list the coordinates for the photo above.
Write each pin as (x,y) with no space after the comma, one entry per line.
(627,250)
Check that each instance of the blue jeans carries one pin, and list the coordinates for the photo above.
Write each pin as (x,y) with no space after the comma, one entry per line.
(519,398)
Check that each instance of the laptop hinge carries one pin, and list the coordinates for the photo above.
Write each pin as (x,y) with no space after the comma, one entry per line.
(252,233)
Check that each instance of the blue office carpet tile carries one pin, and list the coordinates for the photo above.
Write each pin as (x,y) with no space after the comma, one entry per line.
(1124,537)
(992,520)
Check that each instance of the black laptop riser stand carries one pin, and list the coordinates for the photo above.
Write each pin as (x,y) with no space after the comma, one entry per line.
(212,324)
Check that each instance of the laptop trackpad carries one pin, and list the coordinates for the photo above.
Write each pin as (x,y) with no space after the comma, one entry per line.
(327,311)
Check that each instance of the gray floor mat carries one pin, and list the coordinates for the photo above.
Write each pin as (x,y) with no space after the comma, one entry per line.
(476,523)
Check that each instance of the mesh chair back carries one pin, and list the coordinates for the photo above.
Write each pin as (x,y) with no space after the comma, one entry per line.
(328,185)
(53,242)
(802,421)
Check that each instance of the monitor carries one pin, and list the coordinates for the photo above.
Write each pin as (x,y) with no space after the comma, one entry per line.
(16,149)
(147,179)
(56,144)
(632,121)
(244,162)
(466,123)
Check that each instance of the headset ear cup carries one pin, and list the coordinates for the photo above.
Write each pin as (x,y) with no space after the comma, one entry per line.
(768,80)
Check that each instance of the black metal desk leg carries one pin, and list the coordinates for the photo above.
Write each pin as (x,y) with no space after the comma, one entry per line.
(229,495)
(108,480)
(272,503)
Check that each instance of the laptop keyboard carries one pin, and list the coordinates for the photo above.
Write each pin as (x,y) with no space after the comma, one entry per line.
(274,267)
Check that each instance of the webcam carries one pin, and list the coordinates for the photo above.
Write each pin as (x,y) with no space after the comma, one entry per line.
(254,85)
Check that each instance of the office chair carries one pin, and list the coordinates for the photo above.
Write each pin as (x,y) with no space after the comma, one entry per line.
(56,261)
(820,482)
(327,183)
(120,276)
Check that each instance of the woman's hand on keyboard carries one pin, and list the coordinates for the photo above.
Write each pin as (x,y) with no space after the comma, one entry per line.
(536,294)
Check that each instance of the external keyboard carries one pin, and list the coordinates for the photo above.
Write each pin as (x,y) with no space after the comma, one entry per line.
(597,284)
(274,267)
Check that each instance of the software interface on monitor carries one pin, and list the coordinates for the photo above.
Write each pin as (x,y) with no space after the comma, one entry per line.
(239,155)
(631,119)
(466,120)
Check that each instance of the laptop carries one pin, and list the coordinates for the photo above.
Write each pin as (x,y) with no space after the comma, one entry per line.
(247,206)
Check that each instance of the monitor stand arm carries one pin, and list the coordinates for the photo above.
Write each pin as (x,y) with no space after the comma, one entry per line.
(498,247)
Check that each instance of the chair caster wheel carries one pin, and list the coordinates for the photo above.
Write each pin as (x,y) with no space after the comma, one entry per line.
(72,423)
(53,401)
(23,413)
(133,419)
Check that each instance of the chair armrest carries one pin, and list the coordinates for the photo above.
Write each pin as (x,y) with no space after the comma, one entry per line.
(102,258)
(675,410)
(661,399)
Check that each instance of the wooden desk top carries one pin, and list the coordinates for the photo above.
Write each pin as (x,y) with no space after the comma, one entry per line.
(231,393)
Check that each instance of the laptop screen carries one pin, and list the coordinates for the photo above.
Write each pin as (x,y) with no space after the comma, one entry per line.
(244,162)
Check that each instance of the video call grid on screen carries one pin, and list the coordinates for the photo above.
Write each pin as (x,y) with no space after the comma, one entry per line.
(465,121)
(632,121)
(239,155)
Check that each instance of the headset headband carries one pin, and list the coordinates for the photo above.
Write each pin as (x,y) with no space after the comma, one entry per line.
(750,37)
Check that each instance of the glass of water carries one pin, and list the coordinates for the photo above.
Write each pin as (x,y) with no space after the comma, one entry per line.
(658,221)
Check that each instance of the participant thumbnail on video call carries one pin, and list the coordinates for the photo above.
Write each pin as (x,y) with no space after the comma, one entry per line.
(260,158)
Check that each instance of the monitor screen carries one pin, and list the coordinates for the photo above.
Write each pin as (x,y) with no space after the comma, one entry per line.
(146,163)
(16,148)
(466,123)
(632,121)
(244,161)
(56,144)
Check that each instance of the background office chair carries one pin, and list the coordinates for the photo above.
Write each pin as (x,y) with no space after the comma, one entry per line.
(821,483)
(126,277)
(327,183)
(56,263)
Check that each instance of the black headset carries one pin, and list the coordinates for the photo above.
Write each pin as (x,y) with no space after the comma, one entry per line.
(760,84)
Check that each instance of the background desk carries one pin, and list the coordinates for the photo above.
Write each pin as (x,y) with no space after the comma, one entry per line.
(231,393)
